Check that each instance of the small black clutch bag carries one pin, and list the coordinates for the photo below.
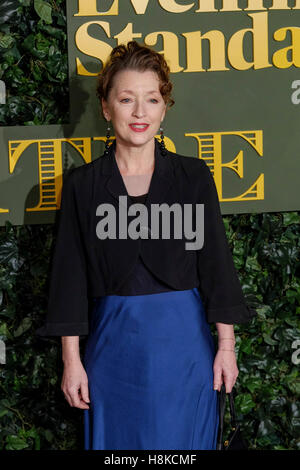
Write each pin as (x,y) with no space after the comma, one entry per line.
(234,440)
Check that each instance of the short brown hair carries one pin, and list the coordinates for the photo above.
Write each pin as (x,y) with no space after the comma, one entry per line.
(134,56)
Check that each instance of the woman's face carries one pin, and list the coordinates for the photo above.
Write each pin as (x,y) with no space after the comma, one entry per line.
(135,107)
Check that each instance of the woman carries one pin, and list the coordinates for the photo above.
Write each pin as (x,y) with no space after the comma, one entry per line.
(150,373)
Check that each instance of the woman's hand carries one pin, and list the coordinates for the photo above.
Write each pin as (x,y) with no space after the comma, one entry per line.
(75,384)
(225,368)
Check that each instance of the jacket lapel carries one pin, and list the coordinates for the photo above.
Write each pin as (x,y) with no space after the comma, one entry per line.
(161,180)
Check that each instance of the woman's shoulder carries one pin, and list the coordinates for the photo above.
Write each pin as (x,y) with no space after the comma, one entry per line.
(77,174)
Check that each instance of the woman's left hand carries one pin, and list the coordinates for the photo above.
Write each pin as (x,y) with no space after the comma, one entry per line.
(225,369)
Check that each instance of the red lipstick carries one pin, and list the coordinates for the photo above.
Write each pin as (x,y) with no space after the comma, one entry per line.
(139,126)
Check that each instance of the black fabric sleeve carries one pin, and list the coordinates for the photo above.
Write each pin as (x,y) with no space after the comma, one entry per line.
(219,287)
(67,310)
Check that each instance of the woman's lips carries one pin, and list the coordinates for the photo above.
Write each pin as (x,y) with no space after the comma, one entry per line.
(139,128)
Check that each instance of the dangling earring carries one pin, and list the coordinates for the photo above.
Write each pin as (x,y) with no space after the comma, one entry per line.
(107,145)
(162,142)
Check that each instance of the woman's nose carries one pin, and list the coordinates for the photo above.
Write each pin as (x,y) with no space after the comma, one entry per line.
(139,110)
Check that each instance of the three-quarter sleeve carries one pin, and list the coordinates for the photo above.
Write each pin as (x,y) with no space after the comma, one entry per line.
(67,310)
(219,287)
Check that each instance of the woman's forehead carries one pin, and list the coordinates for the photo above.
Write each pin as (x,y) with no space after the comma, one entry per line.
(131,79)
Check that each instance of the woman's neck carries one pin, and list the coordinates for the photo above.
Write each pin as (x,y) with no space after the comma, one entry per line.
(132,160)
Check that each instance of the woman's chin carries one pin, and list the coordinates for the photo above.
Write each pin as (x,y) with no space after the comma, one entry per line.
(136,140)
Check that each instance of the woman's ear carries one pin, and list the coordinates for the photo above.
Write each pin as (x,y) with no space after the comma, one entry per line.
(164,113)
(105,109)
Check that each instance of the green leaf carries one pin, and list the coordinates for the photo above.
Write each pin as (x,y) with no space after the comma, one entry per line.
(295,387)
(15,443)
(269,340)
(8,11)
(252,264)
(4,331)
(245,346)
(253,384)
(44,10)
(24,326)
(49,435)
(244,403)
(6,41)
(291,218)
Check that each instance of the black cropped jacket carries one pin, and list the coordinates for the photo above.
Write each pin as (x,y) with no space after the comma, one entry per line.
(84,266)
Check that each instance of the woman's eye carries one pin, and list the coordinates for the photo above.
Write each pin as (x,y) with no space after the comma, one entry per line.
(124,99)
(154,100)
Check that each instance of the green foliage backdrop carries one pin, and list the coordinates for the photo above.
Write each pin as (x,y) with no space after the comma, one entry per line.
(34,62)
(33,411)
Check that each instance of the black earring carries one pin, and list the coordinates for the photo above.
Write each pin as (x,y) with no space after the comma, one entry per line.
(162,142)
(107,142)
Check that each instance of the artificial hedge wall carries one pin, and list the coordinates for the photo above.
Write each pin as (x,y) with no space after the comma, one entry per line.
(33,411)
(34,62)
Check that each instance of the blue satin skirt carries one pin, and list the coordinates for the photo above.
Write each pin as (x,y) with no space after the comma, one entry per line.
(149,361)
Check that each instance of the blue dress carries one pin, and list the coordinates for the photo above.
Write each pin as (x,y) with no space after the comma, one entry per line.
(149,361)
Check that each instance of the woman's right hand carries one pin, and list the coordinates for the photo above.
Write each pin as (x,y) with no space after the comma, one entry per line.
(75,384)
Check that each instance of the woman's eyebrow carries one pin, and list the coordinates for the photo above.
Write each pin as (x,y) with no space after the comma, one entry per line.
(131,92)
